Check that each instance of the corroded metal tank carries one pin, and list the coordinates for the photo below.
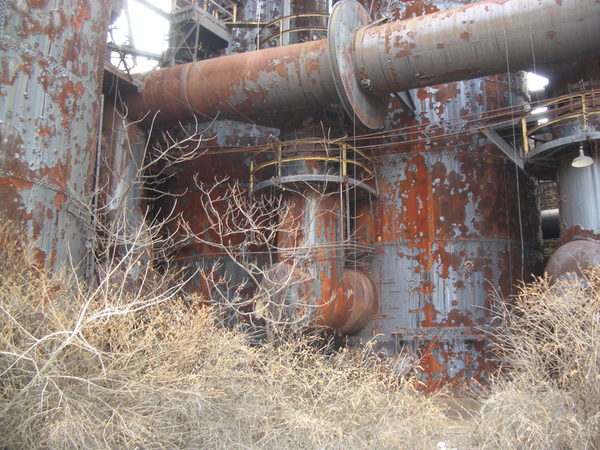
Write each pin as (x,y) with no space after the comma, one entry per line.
(52,62)
(456,224)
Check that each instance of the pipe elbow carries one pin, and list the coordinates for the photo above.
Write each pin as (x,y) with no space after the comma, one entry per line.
(351,307)
(345,307)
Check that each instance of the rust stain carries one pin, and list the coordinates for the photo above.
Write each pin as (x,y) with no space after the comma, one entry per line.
(465,72)
(10,68)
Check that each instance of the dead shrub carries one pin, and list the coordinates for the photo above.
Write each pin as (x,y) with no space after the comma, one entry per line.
(548,395)
(93,367)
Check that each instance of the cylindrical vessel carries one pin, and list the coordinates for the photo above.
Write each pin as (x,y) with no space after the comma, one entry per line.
(52,63)
(456,223)
(579,199)
(323,292)
(453,236)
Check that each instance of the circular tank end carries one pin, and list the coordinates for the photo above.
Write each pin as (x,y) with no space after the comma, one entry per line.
(368,110)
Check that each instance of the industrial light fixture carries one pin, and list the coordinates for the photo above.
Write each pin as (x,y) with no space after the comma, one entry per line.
(539,110)
(582,160)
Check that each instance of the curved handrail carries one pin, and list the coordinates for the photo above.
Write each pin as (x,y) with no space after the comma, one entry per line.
(335,152)
(278,25)
(566,108)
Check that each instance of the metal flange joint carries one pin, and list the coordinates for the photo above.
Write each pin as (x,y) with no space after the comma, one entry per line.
(366,108)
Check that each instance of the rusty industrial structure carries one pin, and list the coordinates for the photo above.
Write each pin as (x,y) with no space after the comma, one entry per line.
(421,178)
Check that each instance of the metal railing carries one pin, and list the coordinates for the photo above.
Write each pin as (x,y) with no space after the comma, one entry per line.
(278,28)
(222,10)
(349,161)
(569,108)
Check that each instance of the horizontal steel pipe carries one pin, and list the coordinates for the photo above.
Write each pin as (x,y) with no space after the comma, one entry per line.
(486,38)
(237,86)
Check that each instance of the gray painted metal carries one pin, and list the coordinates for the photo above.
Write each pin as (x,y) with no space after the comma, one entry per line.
(509,150)
(475,40)
(346,18)
(52,60)
(573,259)
(580,197)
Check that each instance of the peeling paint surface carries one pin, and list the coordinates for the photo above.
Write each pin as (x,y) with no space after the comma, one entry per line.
(450,239)
(473,40)
(275,79)
(448,227)
(52,56)
(330,295)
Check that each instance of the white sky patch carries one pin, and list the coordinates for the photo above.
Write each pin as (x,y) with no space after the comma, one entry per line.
(536,82)
(149,31)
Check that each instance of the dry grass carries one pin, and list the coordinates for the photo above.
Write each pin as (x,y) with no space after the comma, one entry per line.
(549,395)
(111,368)
(104,368)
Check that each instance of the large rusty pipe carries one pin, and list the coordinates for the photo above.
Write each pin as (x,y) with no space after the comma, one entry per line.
(485,38)
(238,86)
(323,293)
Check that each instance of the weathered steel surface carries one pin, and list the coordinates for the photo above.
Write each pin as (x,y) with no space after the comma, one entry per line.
(275,79)
(475,40)
(368,110)
(325,293)
(52,57)
(407,9)
(579,199)
(448,227)
(450,233)
(387,58)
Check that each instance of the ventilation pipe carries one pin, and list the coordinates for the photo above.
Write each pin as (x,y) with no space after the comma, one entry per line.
(360,64)
(323,292)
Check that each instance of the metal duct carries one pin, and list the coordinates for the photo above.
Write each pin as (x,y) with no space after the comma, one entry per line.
(575,258)
(485,38)
(323,293)
(368,62)
(551,223)
(237,86)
